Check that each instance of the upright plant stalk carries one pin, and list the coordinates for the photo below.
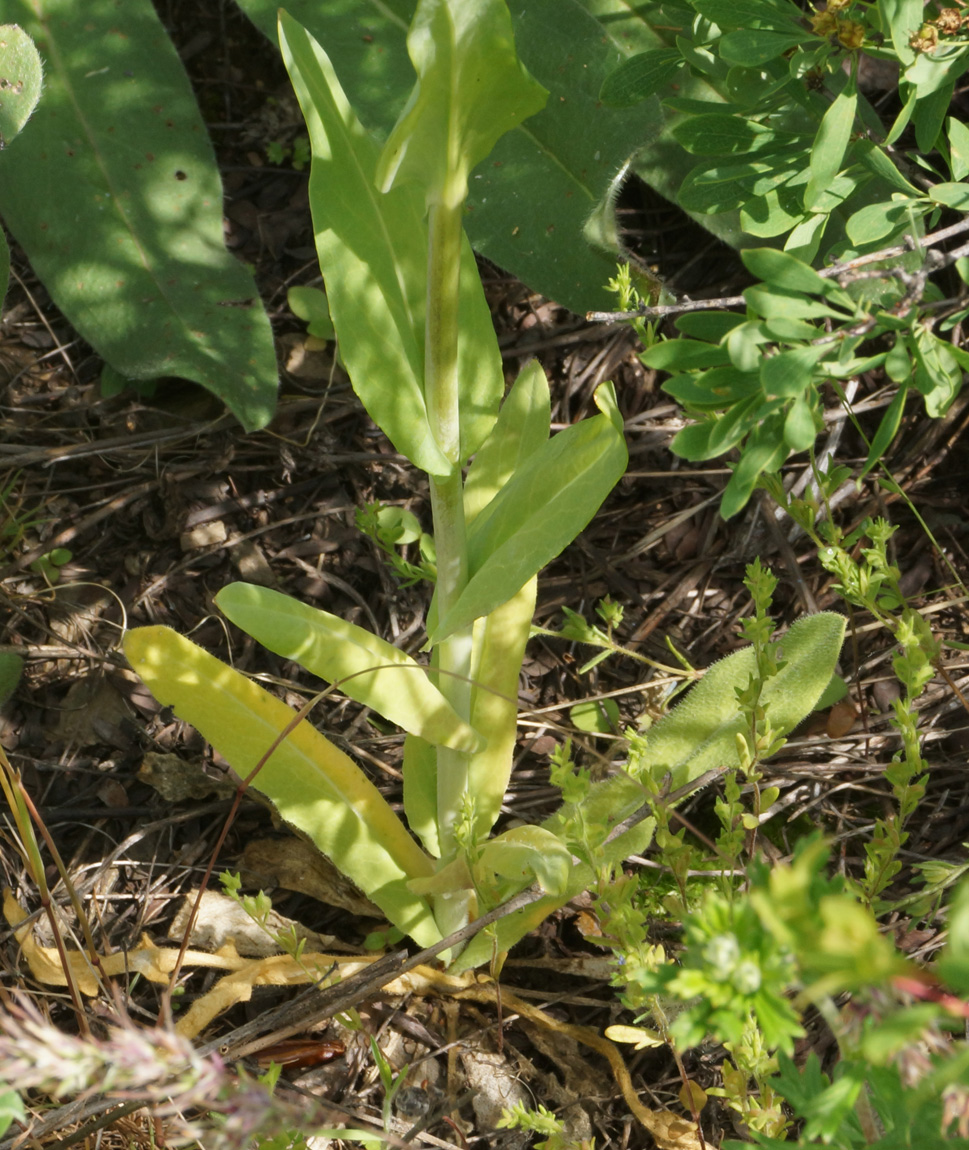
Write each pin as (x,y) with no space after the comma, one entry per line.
(447,494)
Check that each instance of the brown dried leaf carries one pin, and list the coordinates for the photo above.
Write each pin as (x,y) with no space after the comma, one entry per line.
(178,779)
(295,864)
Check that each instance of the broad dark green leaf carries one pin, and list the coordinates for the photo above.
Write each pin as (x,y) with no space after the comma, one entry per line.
(115,196)
(640,76)
(750,13)
(532,199)
(539,511)
(751,46)
(718,135)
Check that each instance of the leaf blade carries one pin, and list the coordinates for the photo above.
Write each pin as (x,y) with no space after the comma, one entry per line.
(368,669)
(539,511)
(129,237)
(312,784)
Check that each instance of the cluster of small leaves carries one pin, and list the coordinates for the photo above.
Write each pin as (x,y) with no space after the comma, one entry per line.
(871,582)
(859,1101)
(259,908)
(754,382)
(789,138)
(393,527)
(298,153)
(542,1122)
(732,969)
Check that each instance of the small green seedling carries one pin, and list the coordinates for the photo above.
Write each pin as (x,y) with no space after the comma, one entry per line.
(50,565)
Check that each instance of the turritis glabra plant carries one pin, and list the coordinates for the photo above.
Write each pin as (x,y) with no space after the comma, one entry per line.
(416,336)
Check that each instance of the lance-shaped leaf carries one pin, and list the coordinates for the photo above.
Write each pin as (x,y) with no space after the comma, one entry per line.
(831,144)
(699,734)
(314,785)
(364,666)
(522,428)
(373,254)
(541,509)
(471,89)
(499,647)
(114,194)
(420,792)
(532,198)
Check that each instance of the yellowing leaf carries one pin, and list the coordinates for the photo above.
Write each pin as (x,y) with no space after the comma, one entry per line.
(312,783)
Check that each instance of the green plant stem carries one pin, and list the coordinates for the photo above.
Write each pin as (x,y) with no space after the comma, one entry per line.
(447,495)
(441,331)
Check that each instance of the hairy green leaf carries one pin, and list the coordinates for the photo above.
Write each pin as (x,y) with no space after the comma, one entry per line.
(23,76)
(699,734)
(533,197)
